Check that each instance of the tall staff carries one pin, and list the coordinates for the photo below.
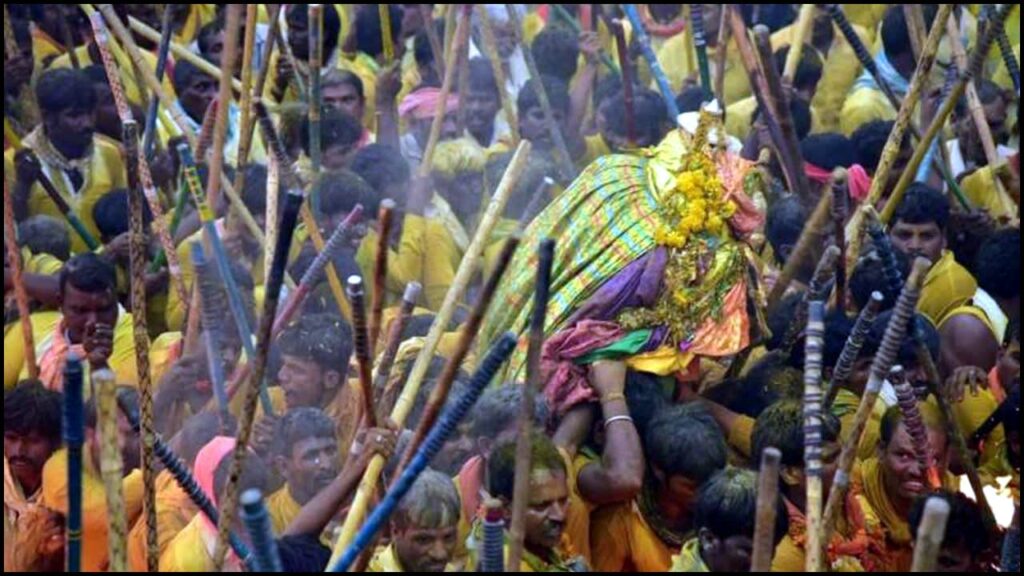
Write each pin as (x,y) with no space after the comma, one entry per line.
(211,306)
(767,511)
(111,467)
(384,392)
(627,81)
(812,434)
(700,43)
(907,401)
(20,295)
(851,349)
(385,219)
(149,128)
(644,41)
(74,437)
(930,534)
(354,289)
(316,58)
(62,205)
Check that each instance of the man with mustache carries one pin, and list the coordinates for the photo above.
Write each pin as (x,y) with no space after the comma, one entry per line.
(32,424)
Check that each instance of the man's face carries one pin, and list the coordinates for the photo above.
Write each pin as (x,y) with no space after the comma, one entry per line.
(197,96)
(456,451)
(108,122)
(71,130)
(26,454)
(298,33)
(505,38)
(1008,363)
(533,128)
(82,310)
(302,382)
(313,465)
(481,109)
(215,49)
(546,514)
(130,443)
(421,128)
(903,477)
(915,240)
(424,549)
(344,97)
(732,554)
(829,462)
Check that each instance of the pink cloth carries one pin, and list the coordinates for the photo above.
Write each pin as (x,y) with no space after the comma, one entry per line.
(52,362)
(566,383)
(207,462)
(422,104)
(857,179)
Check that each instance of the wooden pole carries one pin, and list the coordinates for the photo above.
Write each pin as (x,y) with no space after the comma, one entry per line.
(229,500)
(767,511)
(930,534)
(627,82)
(20,295)
(722,53)
(643,40)
(490,48)
(180,52)
(895,333)
(562,156)
(74,437)
(316,59)
(436,48)
(224,98)
(802,29)
(385,220)
(700,44)
(382,388)
(384,12)
(111,467)
(66,38)
(534,382)
(362,348)
(463,276)
(812,434)
(851,349)
(149,128)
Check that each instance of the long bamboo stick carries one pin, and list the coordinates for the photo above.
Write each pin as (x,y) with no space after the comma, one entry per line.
(895,333)
(74,437)
(384,13)
(534,381)
(802,29)
(229,502)
(224,97)
(851,349)
(382,388)
(463,276)
(840,213)
(930,534)
(385,219)
(812,435)
(20,295)
(137,255)
(722,54)
(490,48)
(111,467)
(436,49)
(354,290)
(767,511)
(700,44)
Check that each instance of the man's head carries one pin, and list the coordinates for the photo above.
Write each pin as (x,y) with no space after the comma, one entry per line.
(919,224)
(458,174)
(314,352)
(211,41)
(423,54)
(32,431)
(532,126)
(419,108)
(998,270)
(902,475)
(306,452)
(786,219)
(684,448)
(197,432)
(808,71)
(195,89)
(67,102)
(339,135)
(965,540)
(343,90)
(996,104)
(723,516)
(649,116)
(340,191)
(896,38)
(868,142)
(781,426)
(297,18)
(112,215)
(424,527)
(546,512)
(483,101)
(108,122)
(384,169)
(45,235)
(370,38)
(128,437)
(828,151)
(88,294)
(556,51)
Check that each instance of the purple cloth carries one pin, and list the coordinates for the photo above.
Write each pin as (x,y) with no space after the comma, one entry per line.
(636,286)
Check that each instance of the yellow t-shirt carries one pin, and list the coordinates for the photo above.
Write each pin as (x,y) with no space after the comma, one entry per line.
(622,541)
(672,57)
(191,550)
(174,510)
(864,105)
(41,264)
(947,286)
(282,509)
(981,191)
(14,345)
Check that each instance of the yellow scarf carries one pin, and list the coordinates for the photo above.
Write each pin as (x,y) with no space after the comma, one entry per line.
(688,559)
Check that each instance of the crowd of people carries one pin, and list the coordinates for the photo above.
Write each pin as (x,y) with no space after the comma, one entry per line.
(686,251)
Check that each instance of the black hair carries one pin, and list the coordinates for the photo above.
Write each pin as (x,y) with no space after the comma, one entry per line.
(206,34)
(651,118)
(988,92)
(89,273)
(770,379)
(337,128)
(837,329)
(112,215)
(299,424)
(254,192)
(501,466)
(785,223)
(341,190)
(965,526)
(369,38)
(907,356)
(685,441)
(895,33)
(434,371)
(997,267)
(774,16)
(324,339)
(781,426)
(869,276)
(727,503)
(60,89)
(346,77)
(481,77)
(254,476)
(828,151)
(607,87)
(45,235)
(557,91)
(556,51)
(781,318)
(497,411)
(808,71)
(645,398)
(922,204)
(184,74)
(96,73)
(422,52)
(800,110)
(381,166)
(869,140)
(127,399)
(691,99)
(332,24)
(31,408)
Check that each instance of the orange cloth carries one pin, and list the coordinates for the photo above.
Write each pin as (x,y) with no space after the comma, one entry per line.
(174,510)
(622,541)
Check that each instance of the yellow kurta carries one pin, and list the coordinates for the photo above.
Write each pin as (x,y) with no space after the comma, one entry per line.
(947,287)
(95,523)
(981,191)
(174,510)
(44,48)
(385,560)
(622,541)
(282,509)
(14,345)
(103,174)
(845,408)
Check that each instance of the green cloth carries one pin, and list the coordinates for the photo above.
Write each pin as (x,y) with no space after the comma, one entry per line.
(630,345)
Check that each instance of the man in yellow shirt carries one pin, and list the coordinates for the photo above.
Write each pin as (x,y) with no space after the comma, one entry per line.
(424,528)
(82,167)
(306,456)
(95,520)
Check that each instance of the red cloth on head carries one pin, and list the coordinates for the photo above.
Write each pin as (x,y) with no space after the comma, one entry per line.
(857,180)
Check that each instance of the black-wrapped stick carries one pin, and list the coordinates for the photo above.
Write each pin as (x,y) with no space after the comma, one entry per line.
(492,560)
(356,296)
(167,28)
(886,252)
(534,381)
(289,218)
(386,395)
(851,349)
(817,290)
(813,435)
(840,213)
(212,304)
(74,437)
(257,523)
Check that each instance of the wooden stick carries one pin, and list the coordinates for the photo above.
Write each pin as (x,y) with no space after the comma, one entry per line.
(74,437)
(562,156)
(463,81)
(802,29)
(111,467)
(537,202)
(930,534)
(316,58)
(137,257)
(180,52)
(627,82)
(603,56)
(463,276)
(534,381)
(812,434)
(895,333)
(149,128)
(721,54)
(436,49)
(915,426)
(224,98)
(66,38)
(20,295)
(811,236)
(354,290)
(851,349)
(973,69)
(767,511)
(385,393)
(700,45)
(384,12)
(285,49)
(916,27)
(818,289)
(380,271)
(229,500)
(490,48)
(467,334)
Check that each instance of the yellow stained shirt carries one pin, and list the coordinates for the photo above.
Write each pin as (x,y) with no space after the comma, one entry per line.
(739,118)
(406,264)
(981,191)
(282,509)
(845,408)
(191,550)
(14,344)
(41,264)
(622,541)
(95,523)
(970,414)
(174,510)
(947,286)
(104,173)
(864,105)
(385,560)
